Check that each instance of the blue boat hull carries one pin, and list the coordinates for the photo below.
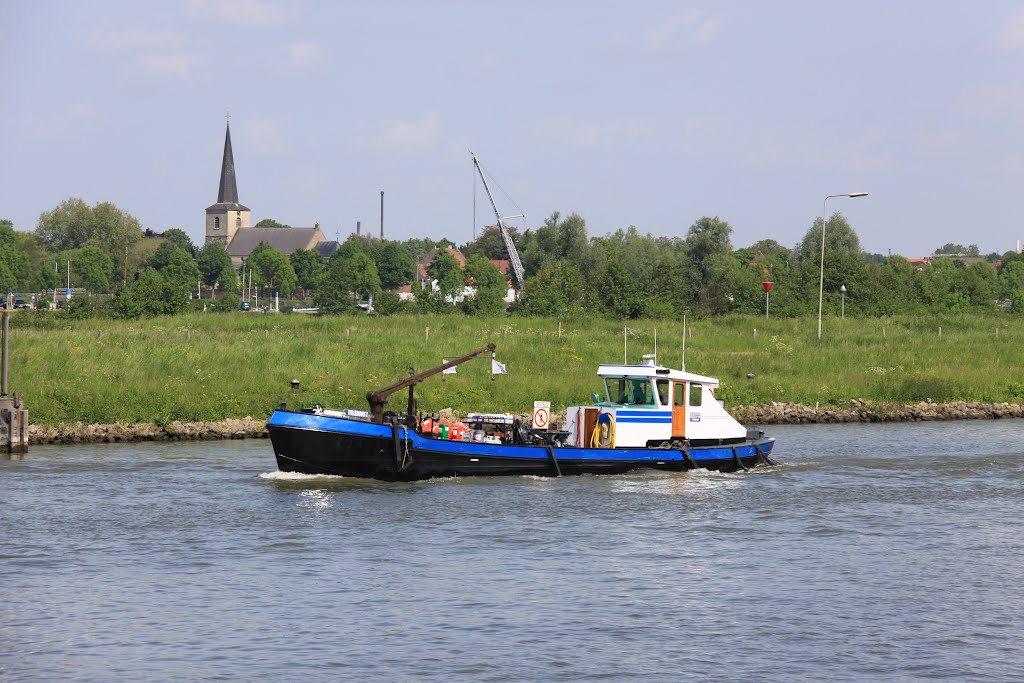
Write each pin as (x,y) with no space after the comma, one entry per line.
(315,444)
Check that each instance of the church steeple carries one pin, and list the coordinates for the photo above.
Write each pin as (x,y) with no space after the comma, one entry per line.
(227,216)
(228,187)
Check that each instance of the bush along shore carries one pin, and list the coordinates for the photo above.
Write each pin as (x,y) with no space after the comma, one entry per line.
(770,414)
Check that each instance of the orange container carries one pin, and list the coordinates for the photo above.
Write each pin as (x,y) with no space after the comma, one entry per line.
(456,431)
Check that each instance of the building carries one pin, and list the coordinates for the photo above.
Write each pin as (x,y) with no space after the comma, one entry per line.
(422,279)
(228,222)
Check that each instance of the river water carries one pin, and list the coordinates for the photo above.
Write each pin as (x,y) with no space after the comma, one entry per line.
(874,552)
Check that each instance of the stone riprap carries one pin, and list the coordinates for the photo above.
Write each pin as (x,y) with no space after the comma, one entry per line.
(246,428)
(768,414)
(868,411)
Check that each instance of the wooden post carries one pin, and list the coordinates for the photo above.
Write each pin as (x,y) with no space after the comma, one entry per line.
(426,334)
(940,330)
(13,415)
(560,329)
(755,333)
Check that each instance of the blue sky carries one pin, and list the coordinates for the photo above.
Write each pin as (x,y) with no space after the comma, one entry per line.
(650,114)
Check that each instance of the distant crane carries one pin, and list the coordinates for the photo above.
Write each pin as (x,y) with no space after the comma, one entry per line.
(513,255)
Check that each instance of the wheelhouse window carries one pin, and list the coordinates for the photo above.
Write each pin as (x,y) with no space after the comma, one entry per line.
(662,385)
(695,395)
(633,391)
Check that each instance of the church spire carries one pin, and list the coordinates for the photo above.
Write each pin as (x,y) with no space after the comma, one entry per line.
(228,187)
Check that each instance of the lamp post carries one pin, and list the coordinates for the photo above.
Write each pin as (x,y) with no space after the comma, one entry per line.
(821,277)
(842,293)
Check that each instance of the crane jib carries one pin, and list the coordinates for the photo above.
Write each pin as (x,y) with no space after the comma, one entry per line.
(513,254)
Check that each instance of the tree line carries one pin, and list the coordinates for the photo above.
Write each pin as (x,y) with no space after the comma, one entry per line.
(624,275)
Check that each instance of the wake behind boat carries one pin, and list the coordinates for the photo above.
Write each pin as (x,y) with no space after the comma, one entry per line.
(649,417)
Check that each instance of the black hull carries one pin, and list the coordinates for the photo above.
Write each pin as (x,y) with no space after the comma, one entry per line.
(313,451)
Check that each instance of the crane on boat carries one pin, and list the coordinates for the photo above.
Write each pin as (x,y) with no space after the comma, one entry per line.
(379,398)
(513,254)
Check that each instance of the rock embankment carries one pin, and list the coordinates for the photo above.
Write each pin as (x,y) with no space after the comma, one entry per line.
(771,413)
(868,411)
(246,428)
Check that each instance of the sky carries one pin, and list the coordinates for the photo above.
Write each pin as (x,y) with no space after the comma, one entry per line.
(644,113)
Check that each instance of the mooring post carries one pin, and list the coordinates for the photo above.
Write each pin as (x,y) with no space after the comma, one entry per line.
(3,358)
(13,416)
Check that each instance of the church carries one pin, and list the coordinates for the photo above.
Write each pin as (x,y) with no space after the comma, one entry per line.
(228,222)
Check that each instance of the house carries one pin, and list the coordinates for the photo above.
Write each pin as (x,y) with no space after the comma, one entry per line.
(422,279)
(228,222)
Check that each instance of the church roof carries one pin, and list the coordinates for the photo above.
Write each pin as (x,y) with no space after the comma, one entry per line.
(287,240)
(228,193)
(225,206)
(327,248)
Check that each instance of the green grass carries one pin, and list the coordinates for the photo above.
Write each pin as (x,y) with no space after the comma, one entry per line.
(214,366)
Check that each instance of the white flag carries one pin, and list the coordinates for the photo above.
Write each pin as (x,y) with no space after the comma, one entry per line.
(450,371)
(497,368)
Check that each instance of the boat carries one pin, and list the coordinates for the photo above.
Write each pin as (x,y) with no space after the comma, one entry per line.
(648,417)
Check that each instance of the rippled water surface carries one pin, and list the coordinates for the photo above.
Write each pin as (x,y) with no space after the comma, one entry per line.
(875,552)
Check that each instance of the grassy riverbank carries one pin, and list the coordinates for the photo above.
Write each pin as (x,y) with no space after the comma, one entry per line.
(212,367)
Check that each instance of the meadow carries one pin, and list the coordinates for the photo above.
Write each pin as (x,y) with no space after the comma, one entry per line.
(205,366)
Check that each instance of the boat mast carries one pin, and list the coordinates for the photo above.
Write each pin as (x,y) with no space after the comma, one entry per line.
(513,255)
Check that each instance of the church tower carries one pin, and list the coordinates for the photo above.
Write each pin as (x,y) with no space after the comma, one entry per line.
(227,216)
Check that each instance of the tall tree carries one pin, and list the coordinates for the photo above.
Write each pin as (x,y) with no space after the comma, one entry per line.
(557,290)
(74,224)
(180,238)
(345,276)
(182,270)
(365,281)
(270,223)
(212,260)
(161,258)
(15,264)
(485,274)
(308,265)
(555,240)
(395,265)
(271,268)
(623,297)
(491,244)
(839,237)
(708,237)
(92,268)
(715,271)
(445,269)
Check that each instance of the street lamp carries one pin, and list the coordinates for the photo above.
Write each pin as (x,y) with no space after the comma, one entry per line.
(821,277)
(842,293)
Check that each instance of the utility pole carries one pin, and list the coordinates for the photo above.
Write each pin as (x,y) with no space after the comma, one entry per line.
(382,215)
